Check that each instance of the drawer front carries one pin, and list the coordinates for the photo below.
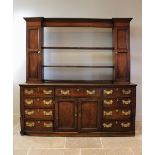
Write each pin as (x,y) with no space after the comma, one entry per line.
(117,92)
(116,113)
(116,126)
(39,125)
(39,91)
(78,92)
(117,102)
(39,102)
(39,113)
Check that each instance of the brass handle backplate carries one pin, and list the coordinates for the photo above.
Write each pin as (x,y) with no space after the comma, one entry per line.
(126,92)
(108,102)
(125,125)
(108,113)
(47,102)
(27,112)
(126,113)
(28,101)
(108,92)
(47,92)
(48,125)
(47,113)
(90,92)
(65,92)
(107,125)
(30,124)
(126,102)
(28,92)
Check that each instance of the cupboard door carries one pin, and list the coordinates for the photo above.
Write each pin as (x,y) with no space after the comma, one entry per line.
(122,66)
(66,115)
(89,115)
(121,43)
(34,52)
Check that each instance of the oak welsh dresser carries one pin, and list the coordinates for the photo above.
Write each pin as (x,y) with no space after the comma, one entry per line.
(77,107)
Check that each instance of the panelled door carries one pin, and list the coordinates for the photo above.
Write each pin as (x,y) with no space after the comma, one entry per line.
(66,115)
(88,112)
(73,115)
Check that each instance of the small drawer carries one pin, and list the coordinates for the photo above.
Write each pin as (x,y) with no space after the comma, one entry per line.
(39,91)
(78,92)
(115,126)
(39,125)
(117,92)
(39,113)
(39,102)
(116,114)
(117,102)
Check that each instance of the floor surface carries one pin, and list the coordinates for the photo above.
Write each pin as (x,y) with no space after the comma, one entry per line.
(29,145)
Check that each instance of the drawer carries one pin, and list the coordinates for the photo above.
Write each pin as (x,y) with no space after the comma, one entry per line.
(38,102)
(116,126)
(39,91)
(78,92)
(116,113)
(39,125)
(39,113)
(117,92)
(117,102)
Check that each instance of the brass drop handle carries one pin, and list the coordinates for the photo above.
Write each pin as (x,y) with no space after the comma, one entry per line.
(47,92)
(65,92)
(75,115)
(126,92)
(30,124)
(108,102)
(126,102)
(108,113)
(48,125)
(47,102)
(125,125)
(38,52)
(48,113)
(28,92)
(90,92)
(27,112)
(107,125)
(126,113)
(108,92)
(28,102)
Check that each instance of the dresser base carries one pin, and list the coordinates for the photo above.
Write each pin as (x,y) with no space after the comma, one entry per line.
(78,110)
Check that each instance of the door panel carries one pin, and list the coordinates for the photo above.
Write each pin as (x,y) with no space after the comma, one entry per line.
(33,38)
(89,115)
(66,115)
(122,62)
(34,65)
(122,38)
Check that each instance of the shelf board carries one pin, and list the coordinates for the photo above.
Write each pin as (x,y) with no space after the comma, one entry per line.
(78,81)
(80,48)
(81,66)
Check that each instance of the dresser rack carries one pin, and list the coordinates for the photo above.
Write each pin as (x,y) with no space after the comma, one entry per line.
(54,107)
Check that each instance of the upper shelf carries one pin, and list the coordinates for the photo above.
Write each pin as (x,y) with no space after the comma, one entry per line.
(79,48)
(77,22)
